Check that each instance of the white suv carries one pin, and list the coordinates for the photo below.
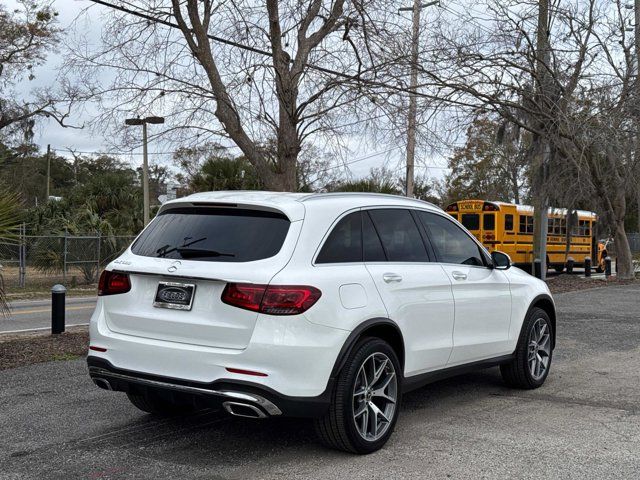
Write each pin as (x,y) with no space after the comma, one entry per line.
(328,306)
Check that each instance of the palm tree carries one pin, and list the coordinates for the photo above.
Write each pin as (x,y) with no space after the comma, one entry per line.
(9,219)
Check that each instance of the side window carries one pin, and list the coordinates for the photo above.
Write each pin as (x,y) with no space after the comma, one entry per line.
(452,244)
(344,243)
(526,224)
(373,251)
(508,222)
(399,235)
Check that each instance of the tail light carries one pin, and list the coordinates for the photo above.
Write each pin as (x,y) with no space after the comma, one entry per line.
(112,283)
(271,299)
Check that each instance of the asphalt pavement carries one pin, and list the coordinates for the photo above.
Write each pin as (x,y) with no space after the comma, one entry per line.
(36,314)
(584,423)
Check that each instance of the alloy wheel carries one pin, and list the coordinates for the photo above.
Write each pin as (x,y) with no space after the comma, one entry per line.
(539,353)
(375,394)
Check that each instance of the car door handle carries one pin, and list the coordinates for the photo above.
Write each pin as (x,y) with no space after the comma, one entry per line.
(391,277)
(459,275)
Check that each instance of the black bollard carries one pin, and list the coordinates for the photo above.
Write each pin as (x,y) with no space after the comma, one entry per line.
(587,266)
(537,268)
(607,266)
(58,293)
(570,262)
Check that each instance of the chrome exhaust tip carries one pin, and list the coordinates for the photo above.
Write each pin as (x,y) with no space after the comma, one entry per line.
(102,383)
(238,409)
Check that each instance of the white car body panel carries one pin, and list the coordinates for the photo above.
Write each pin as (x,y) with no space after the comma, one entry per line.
(443,321)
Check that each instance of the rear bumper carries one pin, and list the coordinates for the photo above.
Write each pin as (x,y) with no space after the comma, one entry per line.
(214,394)
(296,357)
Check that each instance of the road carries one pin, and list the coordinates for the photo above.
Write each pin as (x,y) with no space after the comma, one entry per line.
(30,314)
(584,423)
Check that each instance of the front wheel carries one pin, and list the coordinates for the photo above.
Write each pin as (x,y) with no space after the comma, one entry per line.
(366,400)
(530,367)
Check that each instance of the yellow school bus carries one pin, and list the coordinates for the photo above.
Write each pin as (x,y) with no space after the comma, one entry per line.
(508,227)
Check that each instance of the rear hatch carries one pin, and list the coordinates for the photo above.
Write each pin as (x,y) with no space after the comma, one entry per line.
(180,265)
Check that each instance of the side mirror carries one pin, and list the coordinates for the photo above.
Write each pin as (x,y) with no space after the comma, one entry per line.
(501,261)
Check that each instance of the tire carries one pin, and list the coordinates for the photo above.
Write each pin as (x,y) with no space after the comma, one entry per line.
(525,371)
(559,268)
(155,405)
(349,413)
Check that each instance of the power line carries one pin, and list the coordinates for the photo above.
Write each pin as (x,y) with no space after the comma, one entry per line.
(69,150)
(242,46)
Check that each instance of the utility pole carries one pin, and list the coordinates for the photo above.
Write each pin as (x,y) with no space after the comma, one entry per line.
(48,172)
(145,175)
(413,98)
(543,156)
(636,28)
(145,160)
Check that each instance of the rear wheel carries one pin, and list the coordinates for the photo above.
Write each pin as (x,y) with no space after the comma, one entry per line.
(559,268)
(530,367)
(366,400)
(156,405)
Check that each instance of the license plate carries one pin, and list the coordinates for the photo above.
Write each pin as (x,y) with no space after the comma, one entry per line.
(177,296)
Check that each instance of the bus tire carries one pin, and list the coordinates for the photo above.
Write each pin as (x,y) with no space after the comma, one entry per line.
(559,268)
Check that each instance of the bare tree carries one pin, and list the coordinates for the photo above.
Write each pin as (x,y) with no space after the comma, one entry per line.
(268,75)
(27,34)
(563,73)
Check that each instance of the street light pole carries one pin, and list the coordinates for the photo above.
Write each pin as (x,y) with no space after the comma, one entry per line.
(145,160)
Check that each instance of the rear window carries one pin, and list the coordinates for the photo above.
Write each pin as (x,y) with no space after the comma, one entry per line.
(213,235)
(471,221)
(344,243)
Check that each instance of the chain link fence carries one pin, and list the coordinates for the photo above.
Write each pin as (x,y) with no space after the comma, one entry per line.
(41,261)
(634,242)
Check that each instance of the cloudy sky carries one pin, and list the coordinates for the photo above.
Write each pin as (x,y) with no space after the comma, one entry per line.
(364,153)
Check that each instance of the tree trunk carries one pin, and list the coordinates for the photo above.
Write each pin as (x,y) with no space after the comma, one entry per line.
(541,207)
(624,258)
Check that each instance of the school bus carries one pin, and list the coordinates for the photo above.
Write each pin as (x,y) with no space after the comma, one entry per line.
(508,227)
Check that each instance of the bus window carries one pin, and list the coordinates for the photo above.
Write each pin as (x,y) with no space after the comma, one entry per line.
(488,221)
(471,221)
(526,224)
(508,222)
(583,228)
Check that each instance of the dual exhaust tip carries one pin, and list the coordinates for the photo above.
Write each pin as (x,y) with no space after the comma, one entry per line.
(247,410)
(237,409)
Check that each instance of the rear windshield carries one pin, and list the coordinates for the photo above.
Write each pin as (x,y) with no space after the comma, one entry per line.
(213,234)
(471,221)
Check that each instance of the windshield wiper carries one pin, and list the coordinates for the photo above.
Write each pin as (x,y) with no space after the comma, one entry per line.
(201,252)
(165,249)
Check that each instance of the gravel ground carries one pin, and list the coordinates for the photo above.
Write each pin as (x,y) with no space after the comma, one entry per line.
(583,424)
(569,283)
